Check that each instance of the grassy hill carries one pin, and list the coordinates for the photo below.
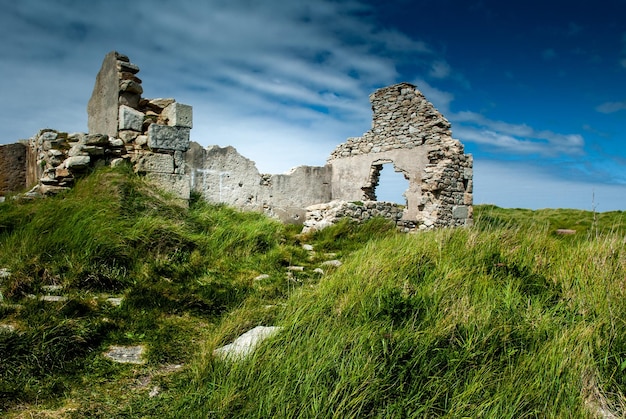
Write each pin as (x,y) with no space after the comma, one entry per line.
(506,319)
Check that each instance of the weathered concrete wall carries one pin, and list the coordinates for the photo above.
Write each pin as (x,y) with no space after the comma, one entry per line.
(12,168)
(222,175)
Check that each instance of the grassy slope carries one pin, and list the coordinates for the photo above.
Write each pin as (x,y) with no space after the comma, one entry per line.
(506,319)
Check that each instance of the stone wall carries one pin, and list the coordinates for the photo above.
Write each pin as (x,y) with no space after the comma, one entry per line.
(155,132)
(12,168)
(407,132)
(410,133)
(323,215)
(61,157)
(150,134)
(153,136)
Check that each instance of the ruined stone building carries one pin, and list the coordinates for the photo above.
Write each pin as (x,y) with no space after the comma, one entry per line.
(153,136)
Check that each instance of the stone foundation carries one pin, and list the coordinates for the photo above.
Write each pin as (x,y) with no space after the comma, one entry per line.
(324,215)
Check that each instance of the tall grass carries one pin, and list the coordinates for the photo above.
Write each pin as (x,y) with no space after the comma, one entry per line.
(506,319)
(488,322)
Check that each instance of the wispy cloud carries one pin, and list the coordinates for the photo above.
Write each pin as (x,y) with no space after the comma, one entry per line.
(271,70)
(514,138)
(611,107)
(439,70)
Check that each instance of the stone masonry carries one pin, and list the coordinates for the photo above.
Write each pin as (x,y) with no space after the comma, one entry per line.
(150,134)
(153,136)
(407,131)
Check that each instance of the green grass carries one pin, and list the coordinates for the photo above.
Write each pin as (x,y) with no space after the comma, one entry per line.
(506,319)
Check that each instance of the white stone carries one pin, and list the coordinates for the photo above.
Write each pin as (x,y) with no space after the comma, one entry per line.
(178,115)
(77,162)
(245,344)
(130,118)
(117,162)
(116,142)
(126,354)
(335,263)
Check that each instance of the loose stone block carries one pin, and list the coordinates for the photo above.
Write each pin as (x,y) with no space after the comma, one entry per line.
(245,344)
(130,86)
(156,163)
(168,138)
(129,99)
(178,115)
(130,118)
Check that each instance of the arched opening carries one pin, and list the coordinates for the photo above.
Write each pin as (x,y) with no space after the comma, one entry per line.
(386,184)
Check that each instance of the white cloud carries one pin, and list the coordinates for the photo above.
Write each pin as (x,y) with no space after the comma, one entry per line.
(611,107)
(515,138)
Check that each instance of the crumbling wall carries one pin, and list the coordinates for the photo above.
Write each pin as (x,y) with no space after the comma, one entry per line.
(153,136)
(221,174)
(150,134)
(155,132)
(12,168)
(409,132)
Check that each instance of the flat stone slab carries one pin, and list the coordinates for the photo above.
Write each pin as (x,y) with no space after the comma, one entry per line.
(245,344)
(126,354)
(335,263)
(53,298)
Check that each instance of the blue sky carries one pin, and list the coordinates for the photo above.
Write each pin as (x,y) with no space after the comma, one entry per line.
(535,90)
